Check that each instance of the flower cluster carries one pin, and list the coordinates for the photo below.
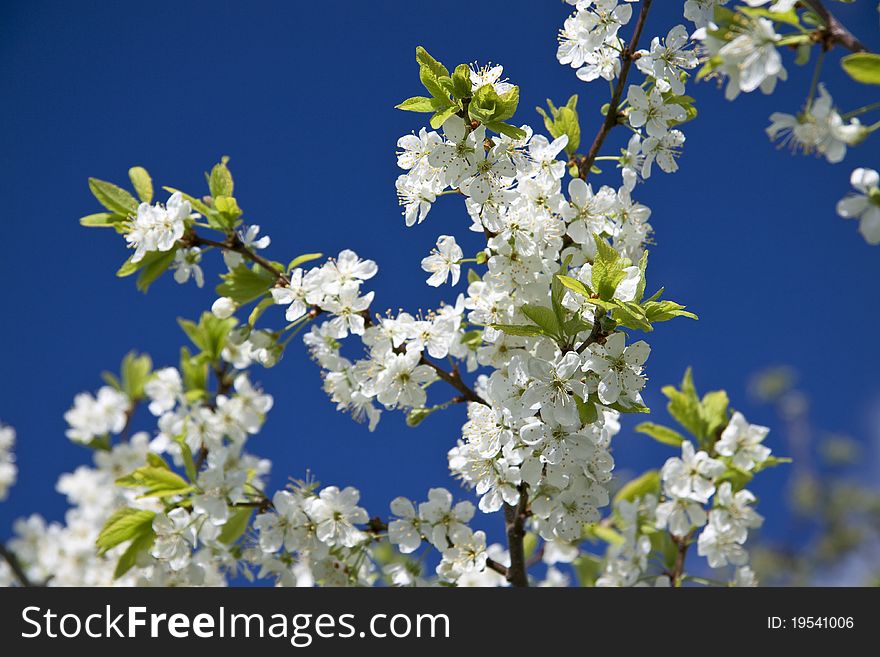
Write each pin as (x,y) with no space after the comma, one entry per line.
(8,471)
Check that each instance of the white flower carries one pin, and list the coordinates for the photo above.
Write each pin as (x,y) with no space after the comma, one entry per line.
(555,384)
(750,60)
(405,530)
(742,442)
(414,149)
(680,516)
(692,476)
(865,205)
(285,527)
(466,557)
(157,227)
(701,12)
(665,62)
(458,156)
(733,514)
(186,264)
(777,5)
(175,538)
(336,513)
(619,368)
(652,111)
(483,75)
(443,262)
(416,196)
(819,128)
(744,577)
(402,381)
(720,548)
(164,389)
(8,471)
(664,150)
(603,62)
(248,237)
(223,308)
(448,523)
(349,309)
(92,417)
(295,295)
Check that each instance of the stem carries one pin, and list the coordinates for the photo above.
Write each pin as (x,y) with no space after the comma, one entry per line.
(677,572)
(233,243)
(514,523)
(15,566)
(627,55)
(835,30)
(814,83)
(454,379)
(860,111)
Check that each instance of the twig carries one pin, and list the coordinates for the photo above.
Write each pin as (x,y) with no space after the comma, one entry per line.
(15,566)
(836,31)
(455,381)
(233,243)
(628,56)
(514,521)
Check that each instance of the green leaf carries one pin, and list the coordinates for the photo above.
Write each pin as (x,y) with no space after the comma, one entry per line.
(439,118)
(142,183)
(158,482)
(663,311)
(220,181)
(530,544)
(122,526)
(472,339)
(425,60)
(209,334)
(141,543)
(587,412)
(135,373)
(259,309)
(714,411)
(244,284)
(236,525)
(485,105)
(648,483)
(105,220)
(543,317)
(575,285)
(608,269)
(506,129)
(114,198)
(631,315)
(587,568)
(153,268)
(684,406)
(563,121)
(194,371)
(461,81)
(862,67)
(299,260)
(661,434)
(422,104)
(188,463)
(518,330)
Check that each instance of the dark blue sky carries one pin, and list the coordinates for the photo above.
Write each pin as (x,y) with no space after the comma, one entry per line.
(301,96)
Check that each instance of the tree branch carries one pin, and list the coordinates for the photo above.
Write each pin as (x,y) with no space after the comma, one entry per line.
(15,566)
(454,379)
(836,31)
(514,522)
(628,56)
(233,243)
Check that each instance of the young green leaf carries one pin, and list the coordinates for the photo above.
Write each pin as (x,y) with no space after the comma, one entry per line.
(122,526)
(661,434)
(142,183)
(114,198)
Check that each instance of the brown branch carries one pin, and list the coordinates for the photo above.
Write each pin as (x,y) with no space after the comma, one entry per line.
(234,244)
(677,572)
(835,30)
(454,379)
(15,566)
(611,118)
(514,523)
(491,564)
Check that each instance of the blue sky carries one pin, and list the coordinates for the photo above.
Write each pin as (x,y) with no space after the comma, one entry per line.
(301,96)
